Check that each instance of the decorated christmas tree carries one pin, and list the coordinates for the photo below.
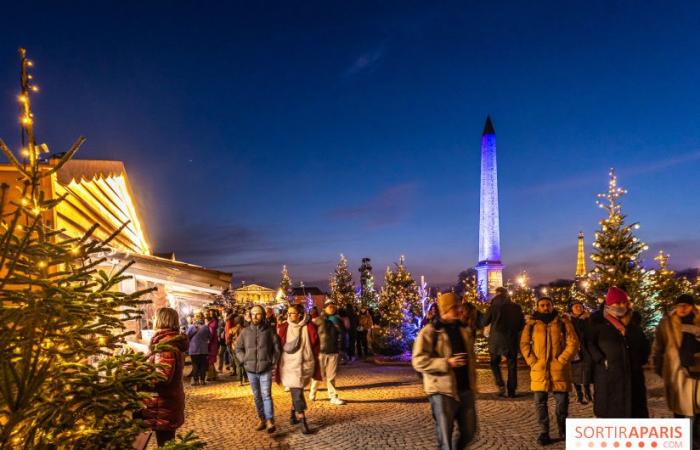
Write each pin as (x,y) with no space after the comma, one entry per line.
(523,294)
(617,250)
(368,294)
(399,310)
(341,284)
(66,379)
(285,287)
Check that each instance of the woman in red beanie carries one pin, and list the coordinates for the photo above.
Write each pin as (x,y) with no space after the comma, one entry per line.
(619,349)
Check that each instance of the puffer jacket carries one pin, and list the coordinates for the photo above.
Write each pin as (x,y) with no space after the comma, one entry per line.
(431,350)
(258,348)
(330,333)
(682,390)
(548,349)
(166,410)
(199,336)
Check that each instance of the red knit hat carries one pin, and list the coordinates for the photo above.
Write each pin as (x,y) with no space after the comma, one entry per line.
(616,295)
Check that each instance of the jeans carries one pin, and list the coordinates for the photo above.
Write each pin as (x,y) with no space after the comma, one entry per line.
(224,357)
(298,402)
(561,400)
(199,366)
(446,411)
(261,385)
(512,358)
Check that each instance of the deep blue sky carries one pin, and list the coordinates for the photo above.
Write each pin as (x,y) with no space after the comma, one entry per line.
(265,133)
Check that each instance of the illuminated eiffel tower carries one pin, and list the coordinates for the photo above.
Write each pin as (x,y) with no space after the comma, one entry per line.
(580,258)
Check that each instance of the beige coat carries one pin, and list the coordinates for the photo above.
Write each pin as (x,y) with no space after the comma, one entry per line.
(296,369)
(438,377)
(548,350)
(682,391)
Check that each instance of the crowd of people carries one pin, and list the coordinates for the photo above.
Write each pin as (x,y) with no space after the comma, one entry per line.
(605,349)
(599,355)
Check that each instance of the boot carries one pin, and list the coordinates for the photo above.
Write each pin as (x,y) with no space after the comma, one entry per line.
(544,439)
(304,426)
(261,425)
(579,395)
(293,418)
(270,426)
(587,391)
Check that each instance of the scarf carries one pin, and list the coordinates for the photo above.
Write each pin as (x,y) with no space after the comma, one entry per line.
(544,317)
(293,341)
(615,321)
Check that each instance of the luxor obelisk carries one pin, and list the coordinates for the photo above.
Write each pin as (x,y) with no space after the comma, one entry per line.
(489,269)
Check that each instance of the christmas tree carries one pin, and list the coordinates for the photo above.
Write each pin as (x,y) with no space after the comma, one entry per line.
(400,310)
(66,380)
(341,284)
(522,294)
(285,287)
(617,250)
(368,294)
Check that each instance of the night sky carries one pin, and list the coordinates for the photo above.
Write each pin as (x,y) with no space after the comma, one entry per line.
(270,133)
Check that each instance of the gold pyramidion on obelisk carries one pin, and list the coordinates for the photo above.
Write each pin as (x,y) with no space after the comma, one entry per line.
(581,257)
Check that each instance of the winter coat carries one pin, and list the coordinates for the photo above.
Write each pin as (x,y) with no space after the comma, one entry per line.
(293,371)
(618,360)
(431,350)
(506,320)
(548,349)
(166,410)
(365,322)
(330,332)
(199,336)
(682,391)
(258,348)
(581,367)
(214,341)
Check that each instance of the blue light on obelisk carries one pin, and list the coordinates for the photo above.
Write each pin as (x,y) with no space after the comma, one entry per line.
(489,270)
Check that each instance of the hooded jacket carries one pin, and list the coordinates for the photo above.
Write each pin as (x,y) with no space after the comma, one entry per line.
(293,370)
(166,410)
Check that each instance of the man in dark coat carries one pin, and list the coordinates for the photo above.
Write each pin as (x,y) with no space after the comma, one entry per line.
(581,363)
(506,321)
(258,349)
(619,349)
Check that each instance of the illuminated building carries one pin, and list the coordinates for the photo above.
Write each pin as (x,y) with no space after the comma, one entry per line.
(99,192)
(489,269)
(255,293)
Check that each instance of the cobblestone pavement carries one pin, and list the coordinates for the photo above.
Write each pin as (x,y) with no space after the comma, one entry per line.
(386,409)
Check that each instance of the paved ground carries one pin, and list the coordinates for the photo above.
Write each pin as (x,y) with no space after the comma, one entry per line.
(386,410)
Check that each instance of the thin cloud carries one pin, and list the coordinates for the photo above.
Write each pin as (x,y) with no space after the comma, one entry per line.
(389,207)
(366,61)
(595,178)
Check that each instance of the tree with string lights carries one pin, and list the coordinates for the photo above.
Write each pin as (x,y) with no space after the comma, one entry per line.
(285,287)
(341,284)
(616,249)
(400,311)
(66,378)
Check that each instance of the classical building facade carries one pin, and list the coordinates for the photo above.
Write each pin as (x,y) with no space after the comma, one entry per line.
(254,293)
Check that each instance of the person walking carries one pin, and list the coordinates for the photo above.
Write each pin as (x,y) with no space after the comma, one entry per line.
(299,362)
(258,349)
(506,321)
(352,323)
(165,411)
(581,362)
(364,327)
(619,349)
(231,338)
(213,324)
(330,331)
(199,336)
(443,354)
(548,343)
(676,357)
(224,354)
